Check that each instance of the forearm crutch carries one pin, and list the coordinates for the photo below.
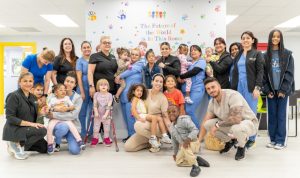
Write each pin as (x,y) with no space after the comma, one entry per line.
(89,127)
(113,128)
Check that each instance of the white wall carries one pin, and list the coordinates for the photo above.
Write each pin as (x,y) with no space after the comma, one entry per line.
(290,42)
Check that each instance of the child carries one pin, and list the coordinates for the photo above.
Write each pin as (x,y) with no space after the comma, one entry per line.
(174,96)
(102,106)
(185,143)
(184,65)
(60,100)
(123,64)
(143,49)
(38,91)
(137,94)
(209,55)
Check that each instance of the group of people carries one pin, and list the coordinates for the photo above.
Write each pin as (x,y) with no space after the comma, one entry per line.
(160,97)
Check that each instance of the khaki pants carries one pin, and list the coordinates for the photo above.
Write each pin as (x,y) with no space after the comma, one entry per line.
(185,156)
(140,140)
(240,131)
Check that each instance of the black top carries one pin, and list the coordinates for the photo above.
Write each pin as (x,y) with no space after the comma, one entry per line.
(221,70)
(106,67)
(191,73)
(62,68)
(18,107)
(172,65)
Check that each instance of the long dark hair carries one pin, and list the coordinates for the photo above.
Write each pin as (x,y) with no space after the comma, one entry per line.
(131,90)
(254,45)
(270,44)
(239,46)
(62,52)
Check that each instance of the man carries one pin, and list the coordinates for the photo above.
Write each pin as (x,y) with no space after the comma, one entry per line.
(228,118)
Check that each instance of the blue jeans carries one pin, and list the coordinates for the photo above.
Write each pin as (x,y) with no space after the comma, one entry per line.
(129,119)
(61,130)
(85,114)
(191,109)
(277,119)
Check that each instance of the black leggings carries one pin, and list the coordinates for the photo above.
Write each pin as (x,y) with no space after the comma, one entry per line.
(35,140)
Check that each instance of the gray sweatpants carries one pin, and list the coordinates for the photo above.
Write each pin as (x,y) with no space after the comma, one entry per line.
(240,131)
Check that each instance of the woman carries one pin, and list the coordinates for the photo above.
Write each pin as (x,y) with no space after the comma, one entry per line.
(234,49)
(150,69)
(61,130)
(131,76)
(21,130)
(40,65)
(278,84)
(102,65)
(169,64)
(221,66)
(83,85)
(64,62)
(157,104)
(247,72)
(197,73)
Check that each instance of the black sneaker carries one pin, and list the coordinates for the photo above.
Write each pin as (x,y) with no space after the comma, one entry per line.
(116,99)
(195,171)
(125,139)
(240,153)
(249,144)
(202,162)
(228,146)
(57,148)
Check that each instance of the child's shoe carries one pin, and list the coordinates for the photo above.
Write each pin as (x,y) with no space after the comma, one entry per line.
(94,142)
(166,139)
(188,100)
(154,143)
(107,141)
(81,145)
(50,149)
(57,147)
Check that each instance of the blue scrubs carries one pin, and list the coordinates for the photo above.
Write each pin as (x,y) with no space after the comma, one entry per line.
(87,104)
(197,91)
(131,76)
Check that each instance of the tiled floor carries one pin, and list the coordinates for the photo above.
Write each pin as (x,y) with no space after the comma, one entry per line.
(104,162)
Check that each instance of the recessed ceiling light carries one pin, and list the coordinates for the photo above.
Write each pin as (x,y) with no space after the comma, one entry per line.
(230,18)
(2,26)
(292,23)
(60,20)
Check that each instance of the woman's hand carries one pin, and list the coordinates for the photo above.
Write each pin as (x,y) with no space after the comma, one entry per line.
(82,95)
(186,143)
(44,110)
(37,125)
(255,93)
(270,95)
(61,108)
(92,91)
(117,79)
(161,65)
(179,80)
(281,95)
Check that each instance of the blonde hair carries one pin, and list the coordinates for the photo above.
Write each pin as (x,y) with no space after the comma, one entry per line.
(136,49)
(104,37)
(48,55)
(102,81)
(23,75)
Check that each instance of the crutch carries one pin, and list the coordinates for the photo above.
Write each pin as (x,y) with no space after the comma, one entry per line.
(89,127)
(113,128)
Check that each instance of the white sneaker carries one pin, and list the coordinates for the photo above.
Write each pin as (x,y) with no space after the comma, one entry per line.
(188,100)
(271,145)
(100,139)
(279,146)
(166,139)
(16,150)
(154,143)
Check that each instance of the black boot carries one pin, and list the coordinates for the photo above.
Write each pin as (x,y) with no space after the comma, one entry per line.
(195,171)
(202,162)
(125,139)
(240,153)
(228,146)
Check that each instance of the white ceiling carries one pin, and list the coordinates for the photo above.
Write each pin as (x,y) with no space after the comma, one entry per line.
(259,16)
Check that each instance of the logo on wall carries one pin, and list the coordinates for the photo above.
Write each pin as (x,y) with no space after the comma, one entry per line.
(92,15)
(157,14)
(122,15)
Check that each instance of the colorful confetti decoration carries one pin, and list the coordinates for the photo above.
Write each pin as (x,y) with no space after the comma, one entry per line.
(157,14)
(212,34)
(202,16)
(122,15)
(218,8)
(110,26)
(92,15)
(184,17)
(182,31)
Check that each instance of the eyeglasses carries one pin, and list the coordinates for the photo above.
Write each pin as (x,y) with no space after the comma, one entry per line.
(106,43)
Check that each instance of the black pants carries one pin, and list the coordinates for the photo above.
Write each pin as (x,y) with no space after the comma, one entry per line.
(35,140)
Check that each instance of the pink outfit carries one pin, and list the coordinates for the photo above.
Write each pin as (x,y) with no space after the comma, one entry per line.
(184,65)
(52,123)
(101,101)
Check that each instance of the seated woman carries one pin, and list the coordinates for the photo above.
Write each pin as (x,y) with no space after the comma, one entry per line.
(157,104)
(21,130)
(62,130)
